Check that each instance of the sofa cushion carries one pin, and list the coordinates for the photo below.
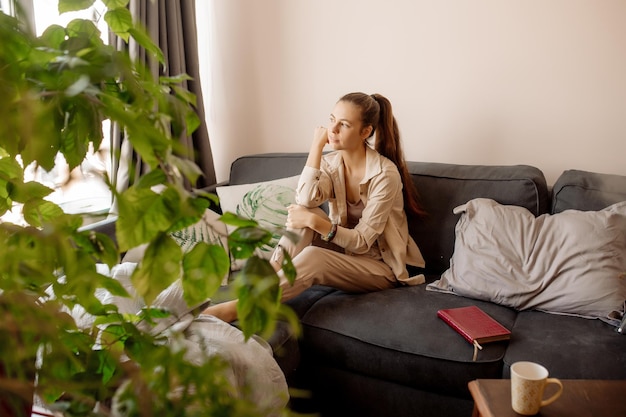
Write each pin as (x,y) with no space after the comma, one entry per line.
(569,347)
(442,187)
(396,335)
(284,341)
(209,229)
(265,201)
(583,190)
(569,263)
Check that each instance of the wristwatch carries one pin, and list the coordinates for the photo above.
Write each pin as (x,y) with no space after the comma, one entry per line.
(331,234)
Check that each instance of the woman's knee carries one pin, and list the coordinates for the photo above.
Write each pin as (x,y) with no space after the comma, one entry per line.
(310,263)
(311,255)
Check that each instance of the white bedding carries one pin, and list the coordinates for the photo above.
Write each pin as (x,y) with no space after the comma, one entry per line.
(253,371)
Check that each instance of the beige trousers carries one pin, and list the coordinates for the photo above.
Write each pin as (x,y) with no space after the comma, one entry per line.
(322,266)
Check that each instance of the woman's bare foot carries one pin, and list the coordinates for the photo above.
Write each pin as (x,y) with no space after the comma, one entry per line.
(226,311)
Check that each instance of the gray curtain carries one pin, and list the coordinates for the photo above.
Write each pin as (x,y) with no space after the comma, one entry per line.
(172,26)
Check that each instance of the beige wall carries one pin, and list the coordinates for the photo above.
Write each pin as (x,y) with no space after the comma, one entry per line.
(539,82)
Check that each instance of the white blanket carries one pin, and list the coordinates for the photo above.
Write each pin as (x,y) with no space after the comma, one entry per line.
(253,371)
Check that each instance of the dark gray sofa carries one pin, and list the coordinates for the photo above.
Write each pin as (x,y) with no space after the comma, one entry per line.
(386,353)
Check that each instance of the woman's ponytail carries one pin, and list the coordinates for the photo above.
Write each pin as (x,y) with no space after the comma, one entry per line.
(388,144)
(376,112)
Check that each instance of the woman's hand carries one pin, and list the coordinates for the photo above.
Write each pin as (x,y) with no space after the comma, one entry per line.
(320,138)
(298,217)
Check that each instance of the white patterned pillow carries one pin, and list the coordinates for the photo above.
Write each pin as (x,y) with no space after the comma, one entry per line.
(208,229)
(266,202)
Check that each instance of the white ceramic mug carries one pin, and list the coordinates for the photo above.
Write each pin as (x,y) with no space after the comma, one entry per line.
(528,380)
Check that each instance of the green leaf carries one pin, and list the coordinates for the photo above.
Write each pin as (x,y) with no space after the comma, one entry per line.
(145,41)
(77,134)
(99,245)
(234,220)
(113,338)
(112,4)
(74,5)
(152,178)
(204,268)
(6,203)
(38,130)
(143,214)
(23,192)
(120,21)
(160,267)
(185,95)
(187,168)
(82,34)
(178,115)
(244,241)
(175,79)
(53,36)
(107,366)
(27,256)
(193,122)
(258,295)
(150,314)
(148,141)
(10,169)
(112,316)
(212,198)
(188,213)
(36,212)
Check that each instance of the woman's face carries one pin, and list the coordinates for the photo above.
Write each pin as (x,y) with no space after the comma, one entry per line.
(345,130)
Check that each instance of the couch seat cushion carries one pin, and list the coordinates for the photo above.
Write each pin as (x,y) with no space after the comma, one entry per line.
(396,335)
(284,341)
(569,347)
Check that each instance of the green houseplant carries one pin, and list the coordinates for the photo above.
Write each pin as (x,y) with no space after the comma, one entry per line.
(57,89)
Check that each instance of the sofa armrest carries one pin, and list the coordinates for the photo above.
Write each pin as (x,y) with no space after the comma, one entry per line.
(106,226)
(213,188)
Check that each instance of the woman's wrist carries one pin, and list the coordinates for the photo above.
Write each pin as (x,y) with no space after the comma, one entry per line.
(331,233)
(314,158)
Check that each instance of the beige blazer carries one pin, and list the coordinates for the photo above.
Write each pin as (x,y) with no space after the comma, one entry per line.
(383,221)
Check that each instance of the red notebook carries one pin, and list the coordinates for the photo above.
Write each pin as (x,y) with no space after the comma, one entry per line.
(474,325)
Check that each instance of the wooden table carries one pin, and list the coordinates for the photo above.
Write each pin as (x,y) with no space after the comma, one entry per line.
(580,398)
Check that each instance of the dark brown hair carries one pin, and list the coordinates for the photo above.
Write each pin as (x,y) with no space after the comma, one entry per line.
(376,112)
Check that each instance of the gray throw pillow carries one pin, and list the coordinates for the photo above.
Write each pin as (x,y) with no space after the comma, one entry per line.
(568,263)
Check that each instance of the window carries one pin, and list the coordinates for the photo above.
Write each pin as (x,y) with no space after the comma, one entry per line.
(81,190)
(6,7)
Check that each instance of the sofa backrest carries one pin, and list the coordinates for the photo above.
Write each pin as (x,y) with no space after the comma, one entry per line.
(442,187)
(265,167)
(587,191)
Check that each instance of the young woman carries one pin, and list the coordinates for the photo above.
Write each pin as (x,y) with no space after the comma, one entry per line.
(363,243)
